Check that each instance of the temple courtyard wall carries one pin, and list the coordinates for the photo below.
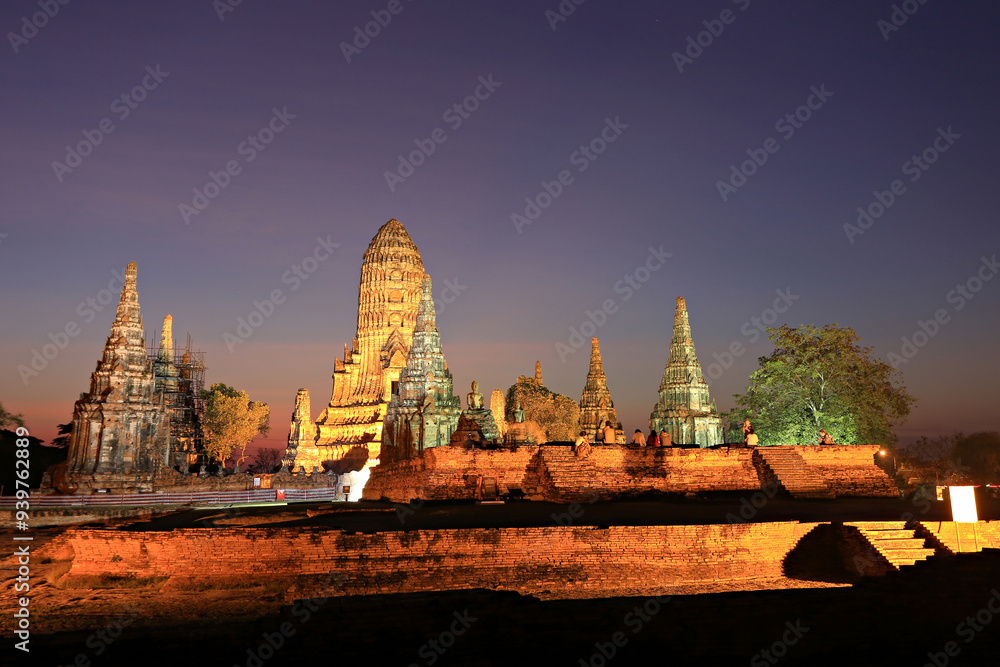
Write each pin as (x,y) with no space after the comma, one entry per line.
(554,562)
(553,472)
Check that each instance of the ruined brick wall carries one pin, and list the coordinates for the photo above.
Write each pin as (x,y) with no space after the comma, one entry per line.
(627,471)
(963,537)
(555,562)
(448,473)
(553,472)
(850,470)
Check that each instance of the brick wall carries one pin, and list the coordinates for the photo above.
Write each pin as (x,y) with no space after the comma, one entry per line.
(448,473)
(963,537)
(556,474)
(557,562)
(850,470)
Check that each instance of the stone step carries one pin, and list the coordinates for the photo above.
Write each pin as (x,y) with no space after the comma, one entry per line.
(894,556)
(896,544)
(888,534)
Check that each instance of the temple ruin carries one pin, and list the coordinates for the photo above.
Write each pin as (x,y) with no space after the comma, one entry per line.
(685,410)
(364,380)
(596,406)
(142,415)
(423,410)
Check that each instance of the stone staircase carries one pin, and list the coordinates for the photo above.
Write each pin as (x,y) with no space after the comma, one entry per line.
(793,474)
(893,540)
(572,478)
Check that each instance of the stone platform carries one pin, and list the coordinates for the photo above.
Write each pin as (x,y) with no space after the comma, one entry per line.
(553,472)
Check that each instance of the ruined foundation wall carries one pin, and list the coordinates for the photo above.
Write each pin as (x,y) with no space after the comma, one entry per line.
(448,473)
(849,470)
(625,470)
(554,562)
(964,537)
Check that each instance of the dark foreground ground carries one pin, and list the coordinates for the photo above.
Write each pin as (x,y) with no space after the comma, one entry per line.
(913,617)
(893,620)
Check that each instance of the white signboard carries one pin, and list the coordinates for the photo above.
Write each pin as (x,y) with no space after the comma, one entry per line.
(963,504)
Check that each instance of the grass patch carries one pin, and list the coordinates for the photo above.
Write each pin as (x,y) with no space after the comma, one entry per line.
(112,581)
(233,585)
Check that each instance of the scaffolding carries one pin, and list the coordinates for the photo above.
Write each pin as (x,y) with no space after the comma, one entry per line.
(180,378)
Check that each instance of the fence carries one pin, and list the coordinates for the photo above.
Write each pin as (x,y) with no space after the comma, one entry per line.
(201,497)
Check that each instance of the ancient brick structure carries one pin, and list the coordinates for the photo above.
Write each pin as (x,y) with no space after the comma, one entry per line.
(685,410)
(596,406)
(363,381)
(141,416)
(498,406)
(423,411)
(552,472)
(302,447)
(549,562)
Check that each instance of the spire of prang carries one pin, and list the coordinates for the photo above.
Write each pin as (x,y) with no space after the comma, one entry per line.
(167,340)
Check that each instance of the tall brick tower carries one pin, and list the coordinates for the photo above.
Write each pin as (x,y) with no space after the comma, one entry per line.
(596,406)
(685,410)
(424,410)
(388,299)
(120,427)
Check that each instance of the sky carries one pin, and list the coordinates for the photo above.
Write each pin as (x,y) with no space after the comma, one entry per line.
(565,170)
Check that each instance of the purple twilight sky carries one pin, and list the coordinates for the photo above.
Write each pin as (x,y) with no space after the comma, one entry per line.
(310,115)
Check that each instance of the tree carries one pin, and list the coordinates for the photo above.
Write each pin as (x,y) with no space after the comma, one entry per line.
(231,422)
(557,416)
(822,379)
(979,454)
(10,419)
(266,460)
(65,434)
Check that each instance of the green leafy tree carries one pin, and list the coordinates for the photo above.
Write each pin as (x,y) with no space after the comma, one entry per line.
(820,378)
(231,422)
(557,416)
(10,419)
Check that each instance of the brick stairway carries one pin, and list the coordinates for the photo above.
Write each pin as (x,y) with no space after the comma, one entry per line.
(793,474)
(572,478)
(897,543)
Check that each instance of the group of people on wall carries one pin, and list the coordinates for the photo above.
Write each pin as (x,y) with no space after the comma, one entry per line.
(663,439)
(750,438)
